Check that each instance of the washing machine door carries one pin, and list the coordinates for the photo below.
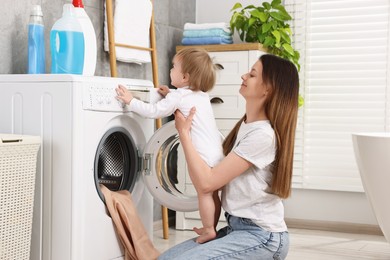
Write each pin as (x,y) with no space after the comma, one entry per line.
(165,171)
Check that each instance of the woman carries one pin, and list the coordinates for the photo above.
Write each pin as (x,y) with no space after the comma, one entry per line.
(256,173)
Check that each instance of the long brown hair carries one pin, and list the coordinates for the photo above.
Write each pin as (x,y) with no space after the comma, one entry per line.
(281,108)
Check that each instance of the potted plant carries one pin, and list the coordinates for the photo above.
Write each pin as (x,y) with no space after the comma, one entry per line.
(266,24)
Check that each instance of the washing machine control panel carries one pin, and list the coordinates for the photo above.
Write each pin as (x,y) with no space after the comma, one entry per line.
(101,96)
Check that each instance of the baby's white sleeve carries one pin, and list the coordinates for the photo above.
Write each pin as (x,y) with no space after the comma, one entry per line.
(164,107)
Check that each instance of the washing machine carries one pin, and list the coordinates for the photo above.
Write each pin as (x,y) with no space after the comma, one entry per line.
(89,139)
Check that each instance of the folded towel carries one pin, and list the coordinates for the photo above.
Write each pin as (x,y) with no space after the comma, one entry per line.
(205,40)
(206,33)
(131,26)
(128,225)
(203,26)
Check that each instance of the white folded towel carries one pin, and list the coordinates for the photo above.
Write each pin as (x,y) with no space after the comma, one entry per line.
(206,26)
(131,27)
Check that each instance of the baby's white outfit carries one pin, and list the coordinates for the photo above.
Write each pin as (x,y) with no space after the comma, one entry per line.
(204,131)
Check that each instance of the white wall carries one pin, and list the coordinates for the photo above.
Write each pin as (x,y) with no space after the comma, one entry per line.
(313,205)
(209,11)
(329,206)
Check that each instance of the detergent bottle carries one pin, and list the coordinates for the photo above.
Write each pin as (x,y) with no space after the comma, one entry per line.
(36,42)
(67,44)
(90,52)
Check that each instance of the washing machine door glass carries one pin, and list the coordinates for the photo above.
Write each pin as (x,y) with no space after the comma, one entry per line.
(116,161)
(165,171)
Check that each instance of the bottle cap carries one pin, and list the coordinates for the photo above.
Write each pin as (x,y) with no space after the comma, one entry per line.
(36,10)
(78,3)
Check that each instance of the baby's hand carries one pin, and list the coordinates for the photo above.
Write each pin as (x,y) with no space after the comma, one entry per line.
(124,95)
(163,90)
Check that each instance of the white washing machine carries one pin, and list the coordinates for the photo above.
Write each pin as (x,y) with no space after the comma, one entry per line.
(89,139)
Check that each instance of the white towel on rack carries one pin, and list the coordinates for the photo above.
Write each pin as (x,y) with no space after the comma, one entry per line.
(131,27)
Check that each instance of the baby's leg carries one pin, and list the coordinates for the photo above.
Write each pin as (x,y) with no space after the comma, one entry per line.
(207,215)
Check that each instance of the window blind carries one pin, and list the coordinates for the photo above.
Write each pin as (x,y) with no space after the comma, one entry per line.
(345,81)
(297,8)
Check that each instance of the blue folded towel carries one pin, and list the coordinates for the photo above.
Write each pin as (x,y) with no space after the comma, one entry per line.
(206,33)
(205,40)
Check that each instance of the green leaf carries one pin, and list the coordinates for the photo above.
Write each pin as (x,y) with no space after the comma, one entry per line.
(265,27)
(281,8)
(237,24)
(255,13)
(264,17)
(275,3)
(269,41)
(286,14)
(261,38)
(267,5)
(277,36)
(288,48)
(260,15)
(233,20)
(280,16)
(251,21)
(252,32)
(236,6)
(288,30)
(249,7)
(261,9)
(301,101)
(296,55)
(242,35)
(285,36)
(274,24)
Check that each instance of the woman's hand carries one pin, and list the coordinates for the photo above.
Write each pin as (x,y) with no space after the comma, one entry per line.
(163,90)
(183,124)
(124,95)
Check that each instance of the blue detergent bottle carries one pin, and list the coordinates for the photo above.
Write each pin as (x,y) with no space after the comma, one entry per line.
(67,44)
(36,42)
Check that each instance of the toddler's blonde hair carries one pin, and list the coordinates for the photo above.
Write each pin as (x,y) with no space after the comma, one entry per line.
(199,66)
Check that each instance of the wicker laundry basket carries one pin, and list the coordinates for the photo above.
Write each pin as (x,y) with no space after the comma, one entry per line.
(18,163)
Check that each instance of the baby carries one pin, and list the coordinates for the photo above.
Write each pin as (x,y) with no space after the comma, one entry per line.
(193,74)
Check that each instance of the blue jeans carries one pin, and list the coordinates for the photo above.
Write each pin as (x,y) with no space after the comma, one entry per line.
(241,239)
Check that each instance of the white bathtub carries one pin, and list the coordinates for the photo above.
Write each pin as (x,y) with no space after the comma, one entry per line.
(372,153)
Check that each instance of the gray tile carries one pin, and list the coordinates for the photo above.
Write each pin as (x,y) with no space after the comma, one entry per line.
(181,12)
(162,11)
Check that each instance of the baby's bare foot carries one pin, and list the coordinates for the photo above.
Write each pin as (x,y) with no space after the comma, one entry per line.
(205,234)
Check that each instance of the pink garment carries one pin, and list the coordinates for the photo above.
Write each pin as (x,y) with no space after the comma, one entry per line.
(128,225)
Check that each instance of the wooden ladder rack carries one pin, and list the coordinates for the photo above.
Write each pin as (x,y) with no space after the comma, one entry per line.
(153,50)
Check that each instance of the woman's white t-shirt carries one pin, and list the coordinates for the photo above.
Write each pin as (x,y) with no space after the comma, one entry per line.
(249,195)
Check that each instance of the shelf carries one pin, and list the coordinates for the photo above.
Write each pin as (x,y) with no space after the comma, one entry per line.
(227,47)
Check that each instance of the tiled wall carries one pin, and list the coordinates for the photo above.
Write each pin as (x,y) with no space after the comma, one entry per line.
(170,16)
